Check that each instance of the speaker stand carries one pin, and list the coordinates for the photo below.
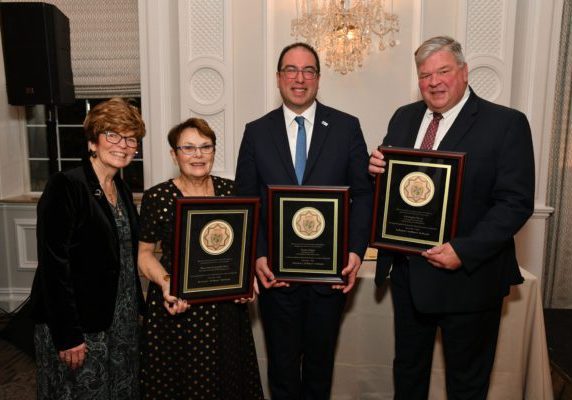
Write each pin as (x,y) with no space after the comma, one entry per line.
(52,136)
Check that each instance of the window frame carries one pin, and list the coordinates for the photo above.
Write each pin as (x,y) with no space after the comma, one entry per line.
(53,145)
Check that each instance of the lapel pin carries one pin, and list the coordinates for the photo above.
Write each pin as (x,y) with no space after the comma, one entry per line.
(324,123)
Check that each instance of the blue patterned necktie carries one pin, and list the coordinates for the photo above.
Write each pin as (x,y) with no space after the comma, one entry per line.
(300,162)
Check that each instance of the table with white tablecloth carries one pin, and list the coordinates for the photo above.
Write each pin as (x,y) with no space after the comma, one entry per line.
(363,369)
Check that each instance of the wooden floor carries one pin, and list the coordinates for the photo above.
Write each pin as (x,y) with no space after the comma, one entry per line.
(17,369)
(17,374)
(561,383)
(558,328)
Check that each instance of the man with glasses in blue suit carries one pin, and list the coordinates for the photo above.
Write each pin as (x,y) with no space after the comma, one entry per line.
(304,142)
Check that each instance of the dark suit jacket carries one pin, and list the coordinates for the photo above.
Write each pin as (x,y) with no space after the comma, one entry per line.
(75,285)
(337,157)
(497,199)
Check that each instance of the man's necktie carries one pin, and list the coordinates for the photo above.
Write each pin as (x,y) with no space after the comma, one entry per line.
(300,162)
(429,138)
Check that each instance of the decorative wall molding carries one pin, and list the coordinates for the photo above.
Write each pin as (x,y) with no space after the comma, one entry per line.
(11,298)
(205,72)
(269,9)
(417,37)
(158,50)
(542,211)
(486,30)
(535,83)
(25,242)
(14,292)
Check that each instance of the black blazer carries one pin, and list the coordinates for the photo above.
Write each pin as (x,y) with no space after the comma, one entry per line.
(337,157)
(75,285)
(497,199)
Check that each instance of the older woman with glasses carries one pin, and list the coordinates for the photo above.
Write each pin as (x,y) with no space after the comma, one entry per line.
(203,351)
(86,295)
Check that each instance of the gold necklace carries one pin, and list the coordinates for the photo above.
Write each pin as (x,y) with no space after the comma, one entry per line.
(115,207)
(112,194)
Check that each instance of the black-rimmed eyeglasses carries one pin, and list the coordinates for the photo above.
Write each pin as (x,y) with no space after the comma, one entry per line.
(292,72)
(190,149)
(115,138)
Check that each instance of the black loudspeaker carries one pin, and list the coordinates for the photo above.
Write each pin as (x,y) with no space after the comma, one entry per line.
(36,43)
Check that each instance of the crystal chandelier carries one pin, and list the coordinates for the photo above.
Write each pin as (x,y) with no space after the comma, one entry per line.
(342,29)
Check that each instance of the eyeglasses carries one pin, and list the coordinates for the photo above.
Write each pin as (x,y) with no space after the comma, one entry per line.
(115,138)
(292,72)
(190,149)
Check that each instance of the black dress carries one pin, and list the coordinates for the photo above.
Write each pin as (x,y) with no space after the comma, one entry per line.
(205,353)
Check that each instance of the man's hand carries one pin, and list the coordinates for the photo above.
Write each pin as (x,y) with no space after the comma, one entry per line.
(376,163)
(266,276)
(351,270)
(73,357)
(443,256)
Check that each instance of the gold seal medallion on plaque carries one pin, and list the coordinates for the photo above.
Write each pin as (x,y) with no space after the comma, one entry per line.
(308,223)
(216,237)
(417,189)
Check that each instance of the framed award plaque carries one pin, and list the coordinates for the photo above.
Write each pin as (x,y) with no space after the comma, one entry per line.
(308,233)
(214,248)
(416,199)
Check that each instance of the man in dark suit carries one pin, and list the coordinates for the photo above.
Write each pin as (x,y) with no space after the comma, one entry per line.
(458,286)
(301,321)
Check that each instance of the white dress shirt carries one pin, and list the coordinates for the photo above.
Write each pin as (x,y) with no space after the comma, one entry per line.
(444,125)
(292,127)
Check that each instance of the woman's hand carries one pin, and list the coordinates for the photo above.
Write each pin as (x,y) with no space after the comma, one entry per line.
(74,357)
(152,269)
(172,304)
(255,286)
(255,292)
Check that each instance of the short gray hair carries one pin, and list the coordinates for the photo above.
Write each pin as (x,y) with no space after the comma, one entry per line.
(436,44)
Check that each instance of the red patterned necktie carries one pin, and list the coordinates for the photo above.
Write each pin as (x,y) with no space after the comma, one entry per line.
(429,138)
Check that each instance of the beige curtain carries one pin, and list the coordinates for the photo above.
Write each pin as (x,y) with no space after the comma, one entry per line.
(558,268)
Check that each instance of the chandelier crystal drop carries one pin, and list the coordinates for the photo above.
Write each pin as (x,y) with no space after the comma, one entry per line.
(342,30)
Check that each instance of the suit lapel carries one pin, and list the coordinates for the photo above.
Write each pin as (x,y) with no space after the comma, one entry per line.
(95,191)
(406,134)
(280,139)
(413,127)
(320,131)
(462,124)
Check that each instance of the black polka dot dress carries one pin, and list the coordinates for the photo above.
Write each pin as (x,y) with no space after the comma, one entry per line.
(205,353)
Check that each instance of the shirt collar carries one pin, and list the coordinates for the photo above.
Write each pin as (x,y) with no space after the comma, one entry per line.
(309,114)
(455,109)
